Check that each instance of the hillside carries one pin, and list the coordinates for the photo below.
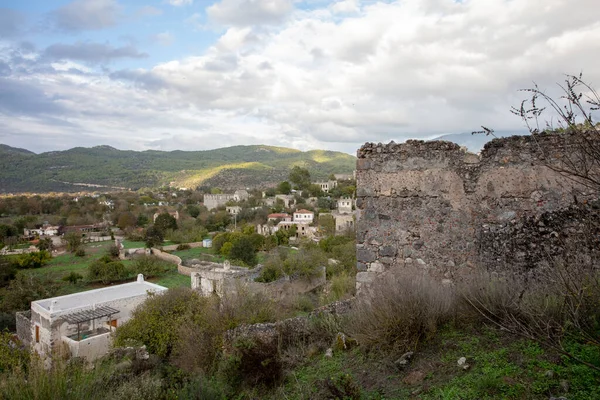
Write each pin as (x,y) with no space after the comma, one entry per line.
(106,167)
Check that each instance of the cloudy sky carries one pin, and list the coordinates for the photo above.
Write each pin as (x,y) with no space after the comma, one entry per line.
(202,74)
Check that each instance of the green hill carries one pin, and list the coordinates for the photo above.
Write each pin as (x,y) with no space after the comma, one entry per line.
(109,168)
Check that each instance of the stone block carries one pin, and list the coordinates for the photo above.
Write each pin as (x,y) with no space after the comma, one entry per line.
(365,255)
(361,267)
(387,251)
(376,267)
(366,277)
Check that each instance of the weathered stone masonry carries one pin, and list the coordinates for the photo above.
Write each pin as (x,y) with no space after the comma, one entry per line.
(433,205)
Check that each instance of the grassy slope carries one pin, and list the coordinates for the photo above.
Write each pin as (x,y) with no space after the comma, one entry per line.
(501,367)
(103,165)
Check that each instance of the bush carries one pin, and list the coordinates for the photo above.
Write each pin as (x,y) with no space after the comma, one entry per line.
(305,263)
(73,278)
(113,251)
(149,266)
(33,260)
(13,357)
(154,322)
(80,252)
(559,306)
(405,309)
(106,272)
(183,246)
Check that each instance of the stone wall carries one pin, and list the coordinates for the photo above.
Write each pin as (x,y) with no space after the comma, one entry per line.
(431,203)
(23,320)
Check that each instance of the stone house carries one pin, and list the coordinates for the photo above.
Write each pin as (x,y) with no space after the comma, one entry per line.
(233,210)
(344,205)
(279,217)
(82,323)
(304,216)
(326,186)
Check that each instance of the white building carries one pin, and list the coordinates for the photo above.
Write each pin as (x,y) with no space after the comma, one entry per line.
(234,210)
(84,321)
(344,205)
(327,186)
(304,216)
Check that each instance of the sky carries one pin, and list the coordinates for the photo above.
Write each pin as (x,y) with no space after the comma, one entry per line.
(307,74)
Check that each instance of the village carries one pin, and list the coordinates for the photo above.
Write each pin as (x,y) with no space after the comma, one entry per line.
(171,227)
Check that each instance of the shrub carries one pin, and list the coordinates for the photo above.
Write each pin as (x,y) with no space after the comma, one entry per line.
(405,309)
(80,252)
(73,277)
(154,322)
(560,303)
(13,358)
(305,263)
(184,246)
(149,266)
(106,272)
(33,260)
(113,251)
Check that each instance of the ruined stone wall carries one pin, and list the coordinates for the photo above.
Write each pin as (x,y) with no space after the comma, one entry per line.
(431,203)
(23,319)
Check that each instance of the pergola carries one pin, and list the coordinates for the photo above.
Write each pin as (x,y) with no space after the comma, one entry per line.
(79,317)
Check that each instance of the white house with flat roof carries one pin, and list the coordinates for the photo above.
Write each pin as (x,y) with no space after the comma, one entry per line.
(304,216)
(84,321)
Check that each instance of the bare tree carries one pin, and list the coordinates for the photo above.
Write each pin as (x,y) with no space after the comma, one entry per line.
(572,114)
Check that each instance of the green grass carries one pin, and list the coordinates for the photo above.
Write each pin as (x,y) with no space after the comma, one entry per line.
(501,366)
(133,245)
(173,279)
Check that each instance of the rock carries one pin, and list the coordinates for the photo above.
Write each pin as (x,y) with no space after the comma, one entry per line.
(420,262)
(329,353)
(549,374)
(462,362)
(564,385)
(404,359)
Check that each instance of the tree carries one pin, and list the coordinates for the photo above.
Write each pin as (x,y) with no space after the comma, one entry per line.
(33,260)
(193,210)
(284,187)
(243,249)
(45,244)
(153,237)
(573,111)
(300,177)
(126,220)
(73,240)
(165,221)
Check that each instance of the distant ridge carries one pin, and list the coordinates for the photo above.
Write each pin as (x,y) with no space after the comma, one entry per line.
(109,168)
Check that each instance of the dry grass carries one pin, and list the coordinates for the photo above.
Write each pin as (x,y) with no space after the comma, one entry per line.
(405,309)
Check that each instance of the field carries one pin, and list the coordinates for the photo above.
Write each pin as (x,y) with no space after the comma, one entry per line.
(65,264)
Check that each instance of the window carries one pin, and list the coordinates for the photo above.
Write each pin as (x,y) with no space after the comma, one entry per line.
(37,333)
(112,322)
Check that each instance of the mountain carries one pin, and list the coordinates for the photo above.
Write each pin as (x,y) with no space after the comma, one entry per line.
(107,168)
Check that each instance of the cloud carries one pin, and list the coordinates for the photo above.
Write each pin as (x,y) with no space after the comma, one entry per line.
(10,23)
(164,38)
(249,12)
(179,3)
(22,98)
(140,78)
(318,78)
(83,15)
(93,53)
(345,7)
(149,11)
